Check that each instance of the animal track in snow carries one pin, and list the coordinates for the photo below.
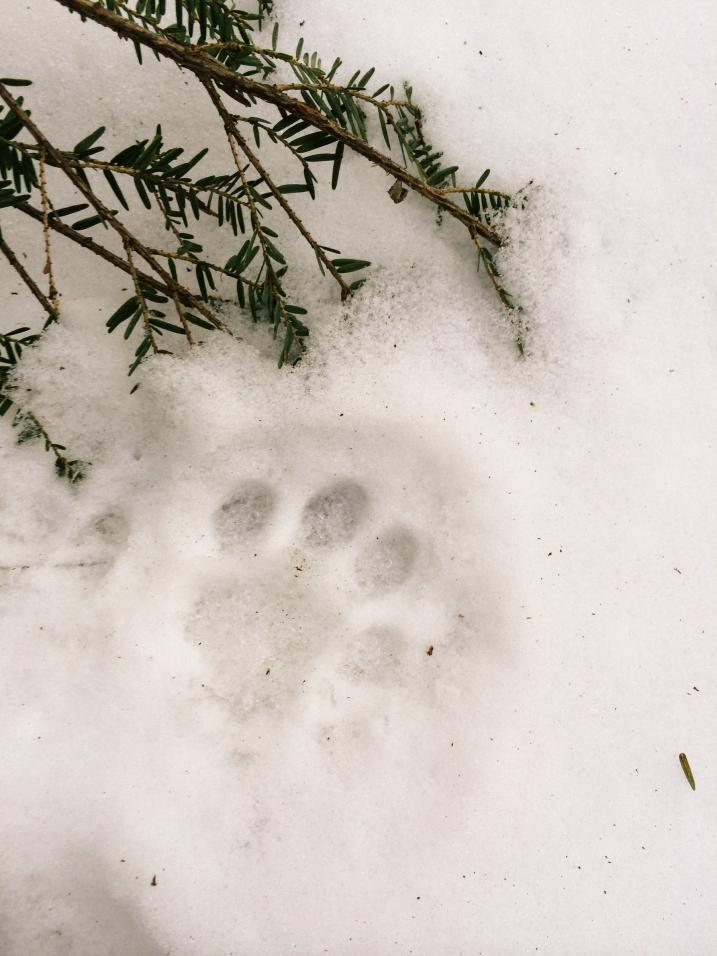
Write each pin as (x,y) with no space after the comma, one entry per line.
(333,515)
(388,561)
(91,547)
(266,633)
(335,576)
(248,511)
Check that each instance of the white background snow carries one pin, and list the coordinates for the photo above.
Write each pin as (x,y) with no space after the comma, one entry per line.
(516,791)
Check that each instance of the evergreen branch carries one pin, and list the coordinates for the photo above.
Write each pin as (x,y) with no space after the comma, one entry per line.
(105,214)
(184,296)
(180,257)
(131,14)
(169,224)
(16,340)
(317,125)
(214,17)
(275,291)
(342,90)
(11,348)
(246,89)
(31,428)
(473,190)
(232,132)
(485,256)
(145,175)
(258,123)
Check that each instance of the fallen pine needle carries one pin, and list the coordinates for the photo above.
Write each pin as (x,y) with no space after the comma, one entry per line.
(685,764)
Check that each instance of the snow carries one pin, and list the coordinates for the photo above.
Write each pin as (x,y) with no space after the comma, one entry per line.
(217,669)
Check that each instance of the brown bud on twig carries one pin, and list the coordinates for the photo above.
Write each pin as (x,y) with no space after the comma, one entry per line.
(398,192)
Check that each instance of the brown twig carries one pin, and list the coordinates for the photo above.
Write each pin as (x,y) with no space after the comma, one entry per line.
(175,232)
(148,330)
(144,174)
(336,88)
(27,278)
(183,319)
(490,270)
(180,257)
(48,270)
(102,252)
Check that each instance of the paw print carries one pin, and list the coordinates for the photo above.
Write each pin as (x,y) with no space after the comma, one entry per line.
(331,591)
(305,589)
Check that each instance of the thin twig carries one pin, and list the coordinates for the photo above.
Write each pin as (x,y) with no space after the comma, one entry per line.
(489,269)
(180,257)
(143,174)
(27,278)
(118,262)
(48,270)
(149,331)
(177,304)
(183,319)
(336,88)
(266,126)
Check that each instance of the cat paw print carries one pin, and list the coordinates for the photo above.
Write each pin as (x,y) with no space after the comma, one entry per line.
(336,591)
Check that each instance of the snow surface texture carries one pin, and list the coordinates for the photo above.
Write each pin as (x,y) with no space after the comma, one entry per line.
(216,650)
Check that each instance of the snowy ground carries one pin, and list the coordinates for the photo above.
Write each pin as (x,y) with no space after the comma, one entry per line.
(216,667)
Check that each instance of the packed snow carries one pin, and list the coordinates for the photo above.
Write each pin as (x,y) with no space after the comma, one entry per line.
(393,651)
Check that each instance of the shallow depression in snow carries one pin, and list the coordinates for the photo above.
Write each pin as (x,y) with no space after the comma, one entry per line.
(357,556)
(296,620)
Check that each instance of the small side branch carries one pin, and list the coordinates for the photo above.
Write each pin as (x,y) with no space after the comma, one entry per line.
(118,262)
(104,212)
(32,428)
(183,319)
(49,269)
(148,330)
(271,278)
(233,133)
